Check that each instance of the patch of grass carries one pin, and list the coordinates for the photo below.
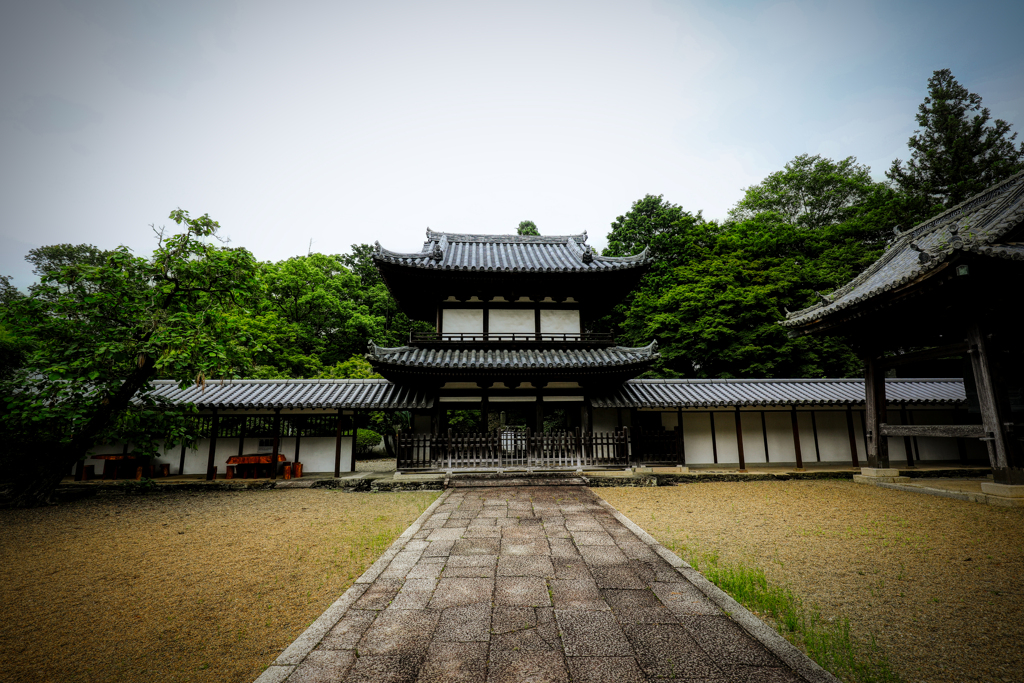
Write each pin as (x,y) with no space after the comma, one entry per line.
(829,643)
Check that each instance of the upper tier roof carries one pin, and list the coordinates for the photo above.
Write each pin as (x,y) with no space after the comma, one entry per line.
(510,254)
(978,225)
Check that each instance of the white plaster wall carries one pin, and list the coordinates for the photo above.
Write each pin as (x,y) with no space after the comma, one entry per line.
(697,438)
(833,437)
(780,438)
(559,321)
(511,320)
(933,448)
(464,320)
(316,454)
(753,438)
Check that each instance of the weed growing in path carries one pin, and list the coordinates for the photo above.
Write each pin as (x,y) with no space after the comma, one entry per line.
(830,644)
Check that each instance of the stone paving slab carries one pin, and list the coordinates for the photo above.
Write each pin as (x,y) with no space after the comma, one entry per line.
(561,587)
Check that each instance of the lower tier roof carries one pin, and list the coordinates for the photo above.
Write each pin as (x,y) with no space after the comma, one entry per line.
(379,394)
(512,359)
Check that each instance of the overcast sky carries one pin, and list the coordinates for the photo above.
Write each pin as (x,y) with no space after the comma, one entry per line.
(349,122)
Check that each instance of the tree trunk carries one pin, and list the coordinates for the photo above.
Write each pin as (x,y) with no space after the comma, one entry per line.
(44,465)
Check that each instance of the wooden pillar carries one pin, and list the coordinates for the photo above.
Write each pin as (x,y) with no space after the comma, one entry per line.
(852,435)
(241,435)
(875,413)
(764,433)
(337,447)
(355,436)
(485,425)
(277,443)
(739,440)
(540,415)
(297,424)
(181,463)
(80,470)
(814,433)
(714,437)
(214,426)
(990,409)
(680,437)
(908,445)
(586,416)
(796,438)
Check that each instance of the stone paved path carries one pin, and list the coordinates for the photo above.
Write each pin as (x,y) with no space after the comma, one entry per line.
(534,583)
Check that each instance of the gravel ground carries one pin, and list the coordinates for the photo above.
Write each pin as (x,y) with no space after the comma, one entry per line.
(181,587)
(937,581)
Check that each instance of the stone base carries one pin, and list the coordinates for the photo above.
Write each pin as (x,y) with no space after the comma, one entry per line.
(879,472)
(1003,490)
(875,479)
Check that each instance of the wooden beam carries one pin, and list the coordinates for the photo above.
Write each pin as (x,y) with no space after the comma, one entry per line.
(946,351)
(989,404)
(214,425)
(907,445)
(951,431)
(277,443)
(337,447)
(764,434)
(814,432)
(853,436)
(714,438)
(796,438)
(739,440)
(875,413)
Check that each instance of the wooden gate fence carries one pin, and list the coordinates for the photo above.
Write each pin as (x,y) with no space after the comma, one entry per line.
(513,449)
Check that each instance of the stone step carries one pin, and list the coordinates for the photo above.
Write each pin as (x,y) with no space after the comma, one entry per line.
(476,482)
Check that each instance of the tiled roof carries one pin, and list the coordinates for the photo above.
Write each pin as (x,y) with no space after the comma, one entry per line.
(296,393)
(513,359)
(713,393)
(509,253)
(977,225)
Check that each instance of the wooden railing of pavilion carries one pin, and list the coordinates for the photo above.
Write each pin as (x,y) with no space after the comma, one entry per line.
(476,337)
(525,449)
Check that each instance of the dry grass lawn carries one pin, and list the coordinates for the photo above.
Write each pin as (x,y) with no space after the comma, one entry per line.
(181,587)
(937,581)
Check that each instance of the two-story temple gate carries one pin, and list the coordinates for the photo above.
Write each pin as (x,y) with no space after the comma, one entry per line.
(512,449)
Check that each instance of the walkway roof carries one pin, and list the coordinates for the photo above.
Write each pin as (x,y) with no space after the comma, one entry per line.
(717,393)
(379,394)
(334,394)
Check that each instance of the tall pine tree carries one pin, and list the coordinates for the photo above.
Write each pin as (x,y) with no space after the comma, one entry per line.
(959,150)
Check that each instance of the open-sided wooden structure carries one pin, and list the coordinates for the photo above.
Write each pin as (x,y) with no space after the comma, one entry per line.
(949,287)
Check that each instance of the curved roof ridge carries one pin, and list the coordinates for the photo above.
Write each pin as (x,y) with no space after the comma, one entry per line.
(989,206)
(434,236)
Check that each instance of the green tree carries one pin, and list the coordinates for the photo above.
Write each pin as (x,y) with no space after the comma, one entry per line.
(715,293)
(528,228)
(958,150)
(87,372)
(810,192)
